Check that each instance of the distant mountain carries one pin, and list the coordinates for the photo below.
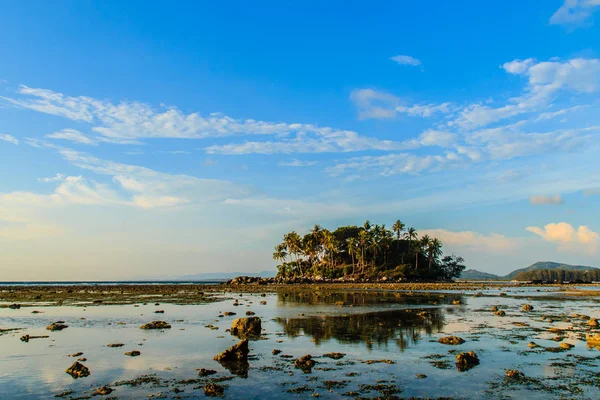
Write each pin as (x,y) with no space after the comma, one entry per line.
(548,265)
(223,276)
(474,275)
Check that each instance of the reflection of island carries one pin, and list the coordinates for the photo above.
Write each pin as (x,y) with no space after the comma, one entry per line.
(374,328)
(363,298)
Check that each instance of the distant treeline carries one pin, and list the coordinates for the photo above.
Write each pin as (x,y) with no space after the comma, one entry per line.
(368,251)
(559,275)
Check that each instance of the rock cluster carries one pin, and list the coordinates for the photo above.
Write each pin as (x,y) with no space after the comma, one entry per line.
(305,363)
(246,327)
(78,370)
(156,325)
(451,340)
(57,326)
(214,390)
(466,361)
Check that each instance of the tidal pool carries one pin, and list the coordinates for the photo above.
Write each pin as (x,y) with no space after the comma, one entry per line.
(389,341)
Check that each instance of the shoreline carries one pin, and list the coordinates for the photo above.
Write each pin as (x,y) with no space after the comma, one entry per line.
(200,293)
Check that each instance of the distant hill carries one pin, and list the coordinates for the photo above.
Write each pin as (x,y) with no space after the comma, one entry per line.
(223,276)
(548,265)
(474,275)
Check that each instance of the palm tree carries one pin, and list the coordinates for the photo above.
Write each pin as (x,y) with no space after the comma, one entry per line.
(411,235)
(352,249)
(279,255)
(434,250)
(363,240)
(398,227)
(294,246)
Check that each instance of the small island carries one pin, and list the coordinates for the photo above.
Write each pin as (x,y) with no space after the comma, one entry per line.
(365,253)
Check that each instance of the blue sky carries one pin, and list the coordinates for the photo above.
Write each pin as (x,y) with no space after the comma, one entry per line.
(143,139)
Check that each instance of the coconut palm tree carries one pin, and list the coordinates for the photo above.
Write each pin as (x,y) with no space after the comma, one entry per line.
(434,250)
(352,250)
(279,255)
(398,227)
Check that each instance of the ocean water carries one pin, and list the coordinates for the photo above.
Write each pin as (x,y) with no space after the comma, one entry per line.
(372,326)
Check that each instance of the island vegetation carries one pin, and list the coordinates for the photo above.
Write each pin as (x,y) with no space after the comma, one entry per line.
(559,275)
(365,252)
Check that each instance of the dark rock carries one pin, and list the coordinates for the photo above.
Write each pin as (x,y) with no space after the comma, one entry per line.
(236,352)
(214,390)
(103,391)
(526,307)
(156,325)
(276,351)
(79,353)
(206,372)
(451,340)
(246,327)
(115,345)
(514,374)
(500,313)
(227,313)
(14,306)
(57,326)
(334,356)
(466,361)
(250,312)
(133,353)
(159,312)
(78,370)
(305,363)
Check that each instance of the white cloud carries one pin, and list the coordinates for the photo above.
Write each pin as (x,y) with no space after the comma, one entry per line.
(574,12)
(545,80)
(297,163)
(568,238)
(336,141)
(388,165)
(8,138)
(57,177)
(73,136)
(406,60)
(374,104)
(473,241)
(537,200)
(437,138)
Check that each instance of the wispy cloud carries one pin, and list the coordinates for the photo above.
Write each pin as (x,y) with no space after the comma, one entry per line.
(8,138)
(540,200)
(55,178)
(406,60)
(72,135)
(574,12)
(297,163)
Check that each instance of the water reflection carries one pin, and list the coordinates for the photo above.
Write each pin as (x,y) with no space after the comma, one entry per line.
(403,327)
(363,298)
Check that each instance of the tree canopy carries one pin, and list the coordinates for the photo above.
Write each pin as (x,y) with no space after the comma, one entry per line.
(365,252)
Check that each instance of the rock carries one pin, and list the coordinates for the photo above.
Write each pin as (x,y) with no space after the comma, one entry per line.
(57,326)
(78,370)
(228,313)
(466,361)
(115,345)
(156,325)
(103,391)
(340,303)
(79,353)
(566,346)
(500,313)
(263,303)
(456,302)
(246,327)
(514,374)
(236,352)
(276,351)
(14,306)
(526,307)
(159,312)
(593,339)
(334,356)
(593,322)
(305,363)
(494,308)
(133,353)
(27,338)
(250,312)
(451,340)
(214,390)
(206,372)
(532,345)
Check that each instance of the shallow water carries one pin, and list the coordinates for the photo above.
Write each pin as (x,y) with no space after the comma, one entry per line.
(392,326)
